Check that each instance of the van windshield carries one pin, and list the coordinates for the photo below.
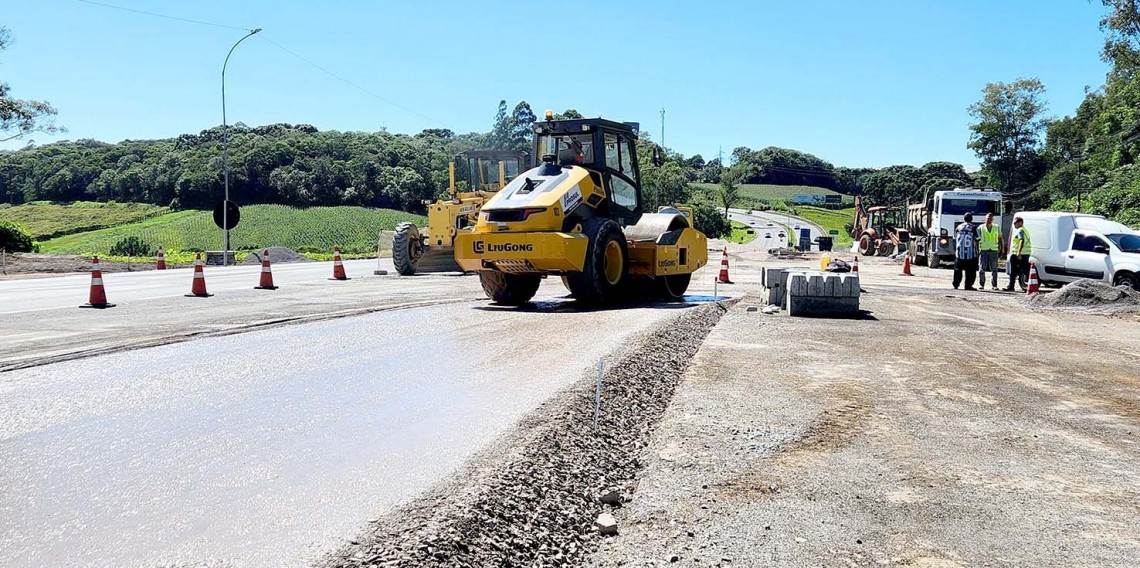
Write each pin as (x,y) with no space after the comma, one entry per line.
(1126,242)
(975,206)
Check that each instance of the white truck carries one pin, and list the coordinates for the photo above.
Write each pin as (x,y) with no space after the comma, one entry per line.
(1071,246)
(932,223)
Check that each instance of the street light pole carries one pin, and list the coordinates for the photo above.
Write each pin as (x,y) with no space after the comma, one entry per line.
(226,153)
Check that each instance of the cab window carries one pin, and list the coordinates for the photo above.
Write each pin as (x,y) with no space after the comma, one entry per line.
(624,193)
(628,155)
(612,152)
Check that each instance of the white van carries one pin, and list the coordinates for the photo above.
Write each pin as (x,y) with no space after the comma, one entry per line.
(1071,246)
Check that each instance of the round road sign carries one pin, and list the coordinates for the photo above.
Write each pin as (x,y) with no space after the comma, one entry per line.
(232,215)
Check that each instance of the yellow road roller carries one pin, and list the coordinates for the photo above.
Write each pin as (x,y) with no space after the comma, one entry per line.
(579,215)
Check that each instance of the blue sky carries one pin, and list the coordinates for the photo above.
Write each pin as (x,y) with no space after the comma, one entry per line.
(858,83)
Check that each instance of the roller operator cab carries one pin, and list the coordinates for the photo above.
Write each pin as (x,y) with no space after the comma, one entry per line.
(579,215)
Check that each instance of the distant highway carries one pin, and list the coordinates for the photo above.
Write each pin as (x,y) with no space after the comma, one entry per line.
(763,217)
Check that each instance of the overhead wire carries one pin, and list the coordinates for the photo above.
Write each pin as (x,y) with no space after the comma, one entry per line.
(164,16)
(277,45)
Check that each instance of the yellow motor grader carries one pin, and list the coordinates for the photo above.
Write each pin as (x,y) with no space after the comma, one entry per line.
(579,215)
(488,171)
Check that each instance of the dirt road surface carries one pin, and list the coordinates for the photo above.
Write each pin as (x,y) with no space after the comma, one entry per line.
(945,429)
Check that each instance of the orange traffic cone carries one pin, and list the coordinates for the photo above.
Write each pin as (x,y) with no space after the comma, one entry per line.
(906,266)
(1034,284)
(855,266)
(98,296)
(723,277)
(266,273)
(161,262)
(338,266)
(198,287)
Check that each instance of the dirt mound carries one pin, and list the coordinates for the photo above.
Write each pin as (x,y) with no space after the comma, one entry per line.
(276,255)
(1091,295)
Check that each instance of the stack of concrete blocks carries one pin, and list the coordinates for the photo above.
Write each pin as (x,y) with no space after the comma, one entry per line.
(815,293)
(776,281)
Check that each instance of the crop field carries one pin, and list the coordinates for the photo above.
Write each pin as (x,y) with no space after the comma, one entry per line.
(49,220)
(768,192)
(311,230)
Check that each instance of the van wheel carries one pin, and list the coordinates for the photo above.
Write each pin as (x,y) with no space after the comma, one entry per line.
(1127,279)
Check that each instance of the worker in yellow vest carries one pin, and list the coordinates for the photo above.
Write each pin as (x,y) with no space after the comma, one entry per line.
(1020,247)
(989,250)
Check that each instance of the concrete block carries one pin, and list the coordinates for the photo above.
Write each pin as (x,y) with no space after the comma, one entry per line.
(814,293)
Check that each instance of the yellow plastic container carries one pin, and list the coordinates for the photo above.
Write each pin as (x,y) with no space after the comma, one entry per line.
(824,260)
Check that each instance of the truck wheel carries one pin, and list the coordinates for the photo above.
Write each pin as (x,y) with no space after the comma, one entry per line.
(607,263)
(407,248)
(1127,279)
(509,289)
(932,260)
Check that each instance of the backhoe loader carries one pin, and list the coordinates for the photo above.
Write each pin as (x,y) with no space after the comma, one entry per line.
(488,171)
(578,215)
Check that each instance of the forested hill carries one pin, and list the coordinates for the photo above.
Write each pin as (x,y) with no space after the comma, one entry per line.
(278,163)
(300,166)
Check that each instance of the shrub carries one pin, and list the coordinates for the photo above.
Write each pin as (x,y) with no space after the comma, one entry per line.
(130,246)
(711,221)
(14,238)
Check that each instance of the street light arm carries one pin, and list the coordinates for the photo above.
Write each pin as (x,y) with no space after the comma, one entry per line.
(227,62)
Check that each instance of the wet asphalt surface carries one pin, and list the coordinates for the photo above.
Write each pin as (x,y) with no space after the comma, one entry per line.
(272,447)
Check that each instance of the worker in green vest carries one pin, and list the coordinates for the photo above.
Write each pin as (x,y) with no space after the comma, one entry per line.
(989,250)
(1020,247)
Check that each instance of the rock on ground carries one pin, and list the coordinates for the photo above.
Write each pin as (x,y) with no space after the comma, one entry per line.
(276,255)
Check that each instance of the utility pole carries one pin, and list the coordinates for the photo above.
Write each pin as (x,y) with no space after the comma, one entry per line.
(662,128)
(1078,180)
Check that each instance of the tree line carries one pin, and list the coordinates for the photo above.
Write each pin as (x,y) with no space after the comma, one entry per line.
(1086,161)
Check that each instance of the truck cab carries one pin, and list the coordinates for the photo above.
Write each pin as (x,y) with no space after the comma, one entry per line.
(932,224)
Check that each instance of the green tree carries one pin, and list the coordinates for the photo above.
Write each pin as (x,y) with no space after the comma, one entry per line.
(728,192)
(1006,134)
(501,129)
(708,220)
(1121,26)
(20,117)
(14,237)
(520,127)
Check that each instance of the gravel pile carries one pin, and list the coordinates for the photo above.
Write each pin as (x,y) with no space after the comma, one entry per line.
(1090,295)
(276,255)
(538,504)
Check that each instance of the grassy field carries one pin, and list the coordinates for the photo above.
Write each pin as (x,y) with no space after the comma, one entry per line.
(742,233)
(49,220)
(313,230)
(829,219)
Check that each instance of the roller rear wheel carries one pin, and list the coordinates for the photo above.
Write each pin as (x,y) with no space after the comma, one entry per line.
(509,289)
(607,263)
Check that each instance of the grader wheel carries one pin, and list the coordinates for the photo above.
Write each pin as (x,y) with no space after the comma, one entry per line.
(407,247)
